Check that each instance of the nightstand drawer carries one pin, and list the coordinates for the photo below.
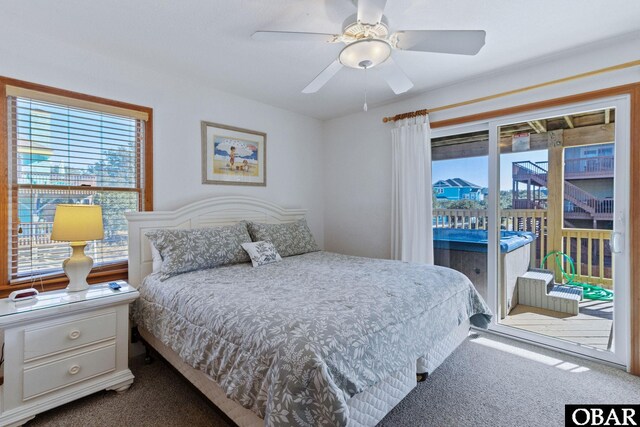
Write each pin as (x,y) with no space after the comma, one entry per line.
(52,339)
(51,376)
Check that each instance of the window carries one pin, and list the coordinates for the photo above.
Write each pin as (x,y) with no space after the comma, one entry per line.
(70,149)
(608,151)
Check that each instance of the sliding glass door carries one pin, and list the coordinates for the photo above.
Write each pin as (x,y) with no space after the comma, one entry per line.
(558,256)
(533,208)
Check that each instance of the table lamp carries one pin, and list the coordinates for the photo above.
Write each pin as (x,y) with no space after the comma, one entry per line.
(76,224)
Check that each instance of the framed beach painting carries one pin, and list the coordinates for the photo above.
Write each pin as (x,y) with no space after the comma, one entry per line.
(231,155)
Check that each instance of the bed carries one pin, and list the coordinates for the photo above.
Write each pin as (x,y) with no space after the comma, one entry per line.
(317,338)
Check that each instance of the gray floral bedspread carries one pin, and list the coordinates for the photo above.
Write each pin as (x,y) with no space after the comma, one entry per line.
(293,340)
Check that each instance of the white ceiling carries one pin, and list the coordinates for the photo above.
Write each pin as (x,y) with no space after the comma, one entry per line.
(209,40)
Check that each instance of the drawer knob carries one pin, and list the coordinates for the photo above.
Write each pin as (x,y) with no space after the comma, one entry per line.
(74,335)
(74,369)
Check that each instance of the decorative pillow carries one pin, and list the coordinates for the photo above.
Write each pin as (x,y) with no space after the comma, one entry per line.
(199,248)
(292,238)
(262,253)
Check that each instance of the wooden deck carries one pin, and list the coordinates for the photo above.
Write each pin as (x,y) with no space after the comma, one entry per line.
(592,326)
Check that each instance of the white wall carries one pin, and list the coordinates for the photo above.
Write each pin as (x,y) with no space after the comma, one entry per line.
(294,172)
(357,147)
(339,170)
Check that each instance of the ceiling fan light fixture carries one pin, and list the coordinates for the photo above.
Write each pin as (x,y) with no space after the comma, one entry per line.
(368,51)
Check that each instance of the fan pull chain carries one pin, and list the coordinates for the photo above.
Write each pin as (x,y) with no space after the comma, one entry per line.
(365,64)
(365,108)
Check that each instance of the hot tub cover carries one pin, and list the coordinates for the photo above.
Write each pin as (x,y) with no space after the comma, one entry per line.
(477,240)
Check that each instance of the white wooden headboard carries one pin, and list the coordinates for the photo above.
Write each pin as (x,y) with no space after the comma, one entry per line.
(223,210)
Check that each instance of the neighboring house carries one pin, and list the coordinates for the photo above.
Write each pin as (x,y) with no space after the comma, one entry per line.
(458,189)
(39,164)
(588,186)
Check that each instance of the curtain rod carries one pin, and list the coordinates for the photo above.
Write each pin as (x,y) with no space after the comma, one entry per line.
(512,92)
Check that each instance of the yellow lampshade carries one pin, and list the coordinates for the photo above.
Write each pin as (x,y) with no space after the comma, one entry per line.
(76,223)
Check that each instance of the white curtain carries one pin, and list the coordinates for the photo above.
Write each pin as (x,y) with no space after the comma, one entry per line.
(411,213)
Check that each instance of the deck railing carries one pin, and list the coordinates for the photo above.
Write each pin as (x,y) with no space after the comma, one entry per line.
(583,167)
(35,233)
(591,255)
(460,218)
(585,200)
(529,168)
(589,167)
(592,259)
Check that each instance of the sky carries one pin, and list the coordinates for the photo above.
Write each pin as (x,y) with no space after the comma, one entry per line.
(76,138)
(476,169)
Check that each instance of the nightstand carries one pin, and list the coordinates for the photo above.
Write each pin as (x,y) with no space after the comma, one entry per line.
(63,346)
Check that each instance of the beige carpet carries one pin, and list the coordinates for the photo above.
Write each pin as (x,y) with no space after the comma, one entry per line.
(488,381)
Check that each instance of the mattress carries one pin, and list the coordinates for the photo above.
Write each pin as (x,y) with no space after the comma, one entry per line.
(294,341)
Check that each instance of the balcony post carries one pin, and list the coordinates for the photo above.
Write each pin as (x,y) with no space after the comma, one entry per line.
(555,197)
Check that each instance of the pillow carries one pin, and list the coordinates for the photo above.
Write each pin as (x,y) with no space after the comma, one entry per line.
(262,253)
(156,259)
(199,248)
(292,238)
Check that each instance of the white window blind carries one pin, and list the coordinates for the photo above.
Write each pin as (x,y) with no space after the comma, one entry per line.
(63,153)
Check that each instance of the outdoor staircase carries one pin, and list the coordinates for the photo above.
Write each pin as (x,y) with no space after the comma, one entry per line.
(594,207)
(536,288)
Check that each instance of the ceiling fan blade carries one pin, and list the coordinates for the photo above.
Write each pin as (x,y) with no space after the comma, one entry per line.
(459,42)
(370,11)
(395,77)
(322,78)
(294,36)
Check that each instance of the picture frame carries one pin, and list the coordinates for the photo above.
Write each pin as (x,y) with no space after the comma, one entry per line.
(233,156)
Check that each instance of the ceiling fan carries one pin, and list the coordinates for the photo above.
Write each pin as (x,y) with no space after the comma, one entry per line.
(369,44)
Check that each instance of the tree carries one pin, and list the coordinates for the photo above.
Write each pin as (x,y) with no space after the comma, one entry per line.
(465,204)
(506,199)
(115,169)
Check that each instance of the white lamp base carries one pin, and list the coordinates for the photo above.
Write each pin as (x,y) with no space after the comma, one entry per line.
(77,267)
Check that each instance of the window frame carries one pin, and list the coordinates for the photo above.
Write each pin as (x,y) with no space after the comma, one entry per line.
(113,271)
